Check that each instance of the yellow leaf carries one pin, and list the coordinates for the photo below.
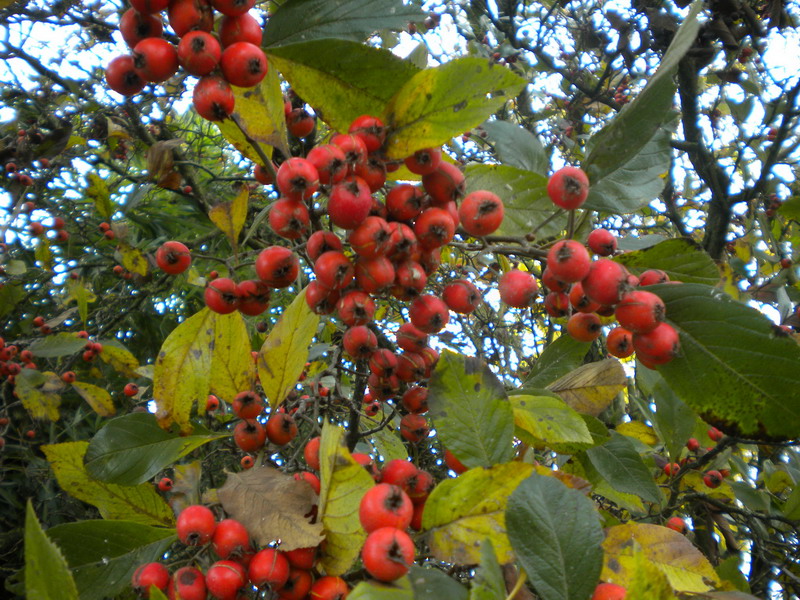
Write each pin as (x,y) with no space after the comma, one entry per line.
(132,259)
(684,566)
(693,480)
(728,281)
(121,359)
(549,422)
(230,216)
(344,483)
(96,397)
(43,254)
(78,290)
(461,512)
(591,388)
(98,191)
(232,368)
(139,503)
(647,582)
(638,431)
(182,372)
(285,351)
(38,392)
(260,112)
(272,505)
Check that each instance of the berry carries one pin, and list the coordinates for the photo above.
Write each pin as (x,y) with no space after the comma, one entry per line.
(243,64)
(222,296)
(268,567)
(653,276)
(254,297)
(330,162)
(557,304)
(429,313)
(131,389)
(453,463)
(300,123)
(387,553)
(602,242)
(584,327)
(121,76)
(186,15)
(415,400)
(424,161)
(640,311)
(414,428)
(354,148)
(359,342)
(410,367)
(676,524)
(517,288)
(568,188)
(68,377)
(715,434)
(334,271)
(135,27)
(173,258)
(693,444)
(302,558)
(241,28)
(374,275)
(445,184)
(349,203)
(606,282)
(404,202)
(277,266)
(609,591)
(371,130)
(385,505)
(619,342)
(297,586)
(310,479)
(671,469)
(355,308)
(580,301)
(371,238)
(199,53)
(195,525)
(311,453)
(213,98)
(481,213)
(658,346)
(247,405)
(383,362)
(329,588)
(233,8)
(321,242)
(281,428)
(150,574)
(410,338)
(713,478)
(568,261)
(230,539)
(247,462)
(225,578)
(289,219)
(434,228)
(149,6)
(320,299)
(187,583)
(155,59)
(297,179)
(249,435)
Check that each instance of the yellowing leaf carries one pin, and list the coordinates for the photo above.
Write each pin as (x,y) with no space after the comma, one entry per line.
(121,359)
(39,393)
(693,480)
(647,582)
(133,259)
(285,351)
(78,290)
(182,371)
(272,505)
(547,421)
(638,431)
(43,254)
(96,397)
(344,483)
(461,512)
(140,503)
(47,576)
(230,216)
(97,190)
(232,369)
(591,388)
(259,111)
(684,566)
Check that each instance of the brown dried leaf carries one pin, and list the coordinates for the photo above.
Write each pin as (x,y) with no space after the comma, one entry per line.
(272,505)
(160,163)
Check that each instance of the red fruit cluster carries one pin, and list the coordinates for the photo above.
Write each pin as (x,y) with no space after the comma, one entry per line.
(236,565)
(250,434)
(232,56)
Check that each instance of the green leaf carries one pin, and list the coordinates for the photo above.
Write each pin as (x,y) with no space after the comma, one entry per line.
(104,554)
(618,462)
(439,103)
(517,147)
(47,576)
(283,356)
(10,294)
(636,134)
(527,206)
(680,258)
(472,507)
(562,355)
(306,20)
(374,590)
(386,441)
(55,345)
(488,583)
(342,80)
(140,503)
(673,420)
(731,367)
(625,187)
(471,411)
(259,110)
(432,584)
(548,421)
(562,556)
(131,449)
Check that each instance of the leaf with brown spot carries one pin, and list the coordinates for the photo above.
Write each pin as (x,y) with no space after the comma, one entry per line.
(272,505)
(591,388)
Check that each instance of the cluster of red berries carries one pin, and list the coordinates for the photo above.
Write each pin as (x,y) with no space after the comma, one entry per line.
(591,289)
(712,478)
(12,360)
(232,57)
(240,566)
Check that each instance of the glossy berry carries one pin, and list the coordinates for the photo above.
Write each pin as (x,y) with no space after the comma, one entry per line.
(609,591)
(371,238)
(321,242)
(297,586)
(254,297)
(330,162)
(359,342)
(354,148)
(676,524)
(445,184)
(213,98)
(268,567)
(481,213)
(387,554)
(517,288)
(186,15)
(230,539)
(247,405)
(370,129)
(130,389)
(653,276)
(173,258)
(320,299)
(557,304)
(584,327)
(671,469)
(580,301)
(310,479)
(247,462)
(385,505)
(243,64)
(329,588)
(195,525)
(68,377)
(568,261)
(225,578)
(602,242)
(155,59)
(300,123)
(713,478)
(383,362)
(404,202)
(233,8)
(374,275)
(620,342)
(658,346)
(349,203)
(289,219)
(568,187)
(415,400)
(222,296)
(434,228)
(150,574)
(606,282)
(281,428)
(277,266)
(199,53)
(640,311)
(355,308)
(424,161)
(411,339)
(187,583)
(121,76)
(241,28)
(302,558)
(334,271)
(429,313)
(249,435)
(297,179)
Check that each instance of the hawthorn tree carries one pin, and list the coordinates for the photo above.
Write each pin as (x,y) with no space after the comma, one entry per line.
(220,375)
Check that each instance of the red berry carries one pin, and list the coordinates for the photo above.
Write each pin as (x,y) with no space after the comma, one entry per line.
(374,275)
(225,578)
(281,428)
(387,553)
(453,463)
(277,266)
(186,15)
(355,308)
(155,59)
(242,28)
(121,76)
(297,179)
(658,346)
(243,64)
(568,187)
(289,219)
(557,304)
(231,539)
(321,242)
(349,203)
(131,389)
(150,574)
(414,428)
(195,525)
(424,161)
(213,98)
(268,567)
(330,162)
(222,296)
(602,242)
(329,588)
(410,338)
(320,299)
(671,469)
(606,282)
(434,228)
(135,27)
(187,583)
(640,311)
(233,8)
(383,362)
(620,342)
(247,405)
(713,478)
(359,342)
(371,130)
(311,453)
(300,123)
(68,377)
(165,484)
(297,586)
(609,591)
(302,558)
(715,434)
(517,288)
(676,524)
(149,6)
(580,301)
(334,270)
(254,297)
(568,261)
(249,435)
(385,505)
(584,327)
(199,53)
(354,148)
(481,213)
(429,313)
(409,280)
(445,184)
(173,258)
(404,202)
(371,238)
(653,276)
